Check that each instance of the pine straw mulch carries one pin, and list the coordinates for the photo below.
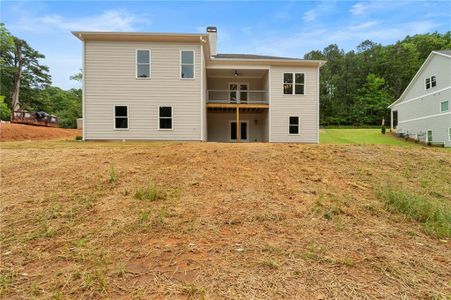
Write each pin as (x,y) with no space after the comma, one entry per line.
(235,221)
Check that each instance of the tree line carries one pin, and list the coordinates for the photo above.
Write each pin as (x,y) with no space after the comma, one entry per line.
(26,83)
(355,86)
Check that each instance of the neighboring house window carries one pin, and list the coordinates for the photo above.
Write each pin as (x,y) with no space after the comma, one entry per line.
(120,117)
(187,64)
(293,83)
(444,106)
(429,136)
(294,125)
(431,82)
(142,63)
(165,117)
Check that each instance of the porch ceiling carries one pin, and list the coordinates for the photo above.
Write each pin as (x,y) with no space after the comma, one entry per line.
(221,73)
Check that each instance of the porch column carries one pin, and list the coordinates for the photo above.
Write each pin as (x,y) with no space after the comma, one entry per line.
(238,125)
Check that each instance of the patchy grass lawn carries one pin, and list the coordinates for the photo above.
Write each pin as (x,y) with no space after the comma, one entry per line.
(210,220)
(362,136)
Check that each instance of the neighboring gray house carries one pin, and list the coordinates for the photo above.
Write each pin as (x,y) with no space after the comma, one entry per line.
(169,86)
(423,111)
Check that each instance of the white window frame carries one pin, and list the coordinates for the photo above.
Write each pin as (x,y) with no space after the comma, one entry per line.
(294,83)
(136,64)
(247,130)
(299,125)
(430,82)
(194,64)
(238,91)
(441,106)
(427,136)
(172,118)
(434,75)
(114,118)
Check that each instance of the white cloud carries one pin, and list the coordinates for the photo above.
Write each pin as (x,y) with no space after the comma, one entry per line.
(358,8)
(310,15)
(111,20)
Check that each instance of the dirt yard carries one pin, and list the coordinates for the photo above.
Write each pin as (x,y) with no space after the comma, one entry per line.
(21,132)
(218,221)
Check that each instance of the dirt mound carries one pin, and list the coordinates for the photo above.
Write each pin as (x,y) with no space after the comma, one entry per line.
(21,132)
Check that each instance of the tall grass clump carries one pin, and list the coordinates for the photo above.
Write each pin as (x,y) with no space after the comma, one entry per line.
(434,214)
(150,193)
(113,175)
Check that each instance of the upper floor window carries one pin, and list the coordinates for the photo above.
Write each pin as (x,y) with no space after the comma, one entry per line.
(430,82)
(293,83)
(165,117)
(293,125)
(142,63)
(120,117)
(444,106)
(187,64)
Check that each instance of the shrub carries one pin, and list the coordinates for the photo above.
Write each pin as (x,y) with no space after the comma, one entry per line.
(435,215)
(383,129)
(78,138)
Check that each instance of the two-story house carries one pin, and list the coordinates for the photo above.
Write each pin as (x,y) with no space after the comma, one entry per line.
(423,111)
(170,86)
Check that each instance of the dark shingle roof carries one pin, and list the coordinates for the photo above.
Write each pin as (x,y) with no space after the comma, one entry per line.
(446,52)
(252,56)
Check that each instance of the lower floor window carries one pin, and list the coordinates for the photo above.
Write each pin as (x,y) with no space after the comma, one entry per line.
(121,117)
(165,117)
(294,125)
(449,134)
(429,136)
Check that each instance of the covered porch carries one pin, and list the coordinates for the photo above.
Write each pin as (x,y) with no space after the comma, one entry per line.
(237,105)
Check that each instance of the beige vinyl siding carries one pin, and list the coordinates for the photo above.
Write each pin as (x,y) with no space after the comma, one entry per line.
(305,106)
(110,79)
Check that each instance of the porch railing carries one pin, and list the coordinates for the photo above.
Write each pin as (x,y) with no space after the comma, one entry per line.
(238,96)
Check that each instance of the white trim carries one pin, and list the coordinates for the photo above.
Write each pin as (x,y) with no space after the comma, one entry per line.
(299,125)
(194,64)
(136,64)
(230,133)
(83,91)
(294,83)
(441,106)
(442,54)
(114,118)
(172,118)
(426,117)
(318,107)
(202,92)
(427,136)
(270,106)
(419,97)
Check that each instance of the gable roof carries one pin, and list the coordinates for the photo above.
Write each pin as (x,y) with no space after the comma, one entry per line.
(446,53)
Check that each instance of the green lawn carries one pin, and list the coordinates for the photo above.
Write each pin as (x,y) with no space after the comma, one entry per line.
(370,136)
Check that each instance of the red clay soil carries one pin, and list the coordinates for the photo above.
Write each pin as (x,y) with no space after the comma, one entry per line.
(21,132)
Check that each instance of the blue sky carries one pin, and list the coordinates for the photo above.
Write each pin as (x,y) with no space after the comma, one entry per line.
(286,28)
